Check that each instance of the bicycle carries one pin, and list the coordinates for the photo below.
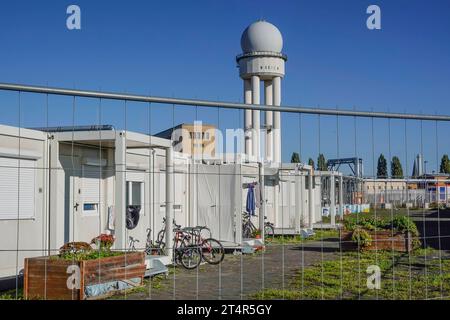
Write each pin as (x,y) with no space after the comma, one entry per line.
(153,248)
(248,228)
(211,249)
(185,253)
(162,233)
(131,246)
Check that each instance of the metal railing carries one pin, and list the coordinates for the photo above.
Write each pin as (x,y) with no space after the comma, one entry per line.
(221,104)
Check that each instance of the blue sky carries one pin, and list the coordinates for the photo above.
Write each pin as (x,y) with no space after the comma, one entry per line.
(188,48)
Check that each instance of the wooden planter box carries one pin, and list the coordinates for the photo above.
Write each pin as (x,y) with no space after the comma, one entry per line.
(381,240)
(48,278)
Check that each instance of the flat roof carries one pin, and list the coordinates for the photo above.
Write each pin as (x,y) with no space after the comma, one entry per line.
(22,132)
(108,137)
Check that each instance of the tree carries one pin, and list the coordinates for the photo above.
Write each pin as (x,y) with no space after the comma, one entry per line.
(396,168)
(311,163)
(445,164)
(382,167)
(295,157)
(321,163)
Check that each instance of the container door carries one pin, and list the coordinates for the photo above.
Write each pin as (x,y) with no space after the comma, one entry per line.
(89,203)
(84,198)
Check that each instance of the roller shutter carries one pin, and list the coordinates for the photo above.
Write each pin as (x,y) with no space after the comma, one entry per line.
(17,188)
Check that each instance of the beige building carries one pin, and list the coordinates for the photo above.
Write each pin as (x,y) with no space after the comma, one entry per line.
(380,185)
(381,191)
(196,139)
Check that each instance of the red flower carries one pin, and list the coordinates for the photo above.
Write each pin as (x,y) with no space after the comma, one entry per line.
(106,240)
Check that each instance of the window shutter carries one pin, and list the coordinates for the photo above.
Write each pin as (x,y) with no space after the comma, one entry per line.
(17,188)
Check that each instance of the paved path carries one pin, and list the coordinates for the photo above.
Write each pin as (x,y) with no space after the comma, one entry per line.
(434,227)
(241,275)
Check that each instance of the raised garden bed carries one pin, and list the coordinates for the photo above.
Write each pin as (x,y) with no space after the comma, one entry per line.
(365,232)
(380,240)
(56,278)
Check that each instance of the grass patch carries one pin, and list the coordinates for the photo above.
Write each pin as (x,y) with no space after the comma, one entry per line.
(386,214)
(416,276)
(319,235)
(277,294)
(149,284)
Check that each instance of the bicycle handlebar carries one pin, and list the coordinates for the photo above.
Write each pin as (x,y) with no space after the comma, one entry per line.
(133,239)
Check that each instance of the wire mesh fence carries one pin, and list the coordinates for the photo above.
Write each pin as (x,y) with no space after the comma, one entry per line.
(105,193)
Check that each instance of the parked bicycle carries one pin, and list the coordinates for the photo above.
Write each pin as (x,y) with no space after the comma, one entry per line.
(162,233)
(212,250)
(131,243)
(154,247)
(248,228)
(185,251)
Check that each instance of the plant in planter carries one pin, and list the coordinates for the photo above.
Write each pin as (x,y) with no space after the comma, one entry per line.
(256,234)
(74,247)
(103,241)
(78,251)
(350,224)
(368,223)
(100,272)
(405,224)
(362,238)
(399,234)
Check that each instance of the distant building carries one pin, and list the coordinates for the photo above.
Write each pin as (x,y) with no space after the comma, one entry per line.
(418,166)
(379,185)
(398,191)
(196,139)
(437,187)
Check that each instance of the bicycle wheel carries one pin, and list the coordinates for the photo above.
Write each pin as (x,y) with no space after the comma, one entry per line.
(212,251)
(154,249)
(269,232)
(160,238)
(177,244)
(189,256)
(149,249)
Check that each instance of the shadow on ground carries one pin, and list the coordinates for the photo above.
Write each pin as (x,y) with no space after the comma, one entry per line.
(434,228)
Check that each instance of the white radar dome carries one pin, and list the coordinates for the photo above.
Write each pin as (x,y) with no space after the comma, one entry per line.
(261,36)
